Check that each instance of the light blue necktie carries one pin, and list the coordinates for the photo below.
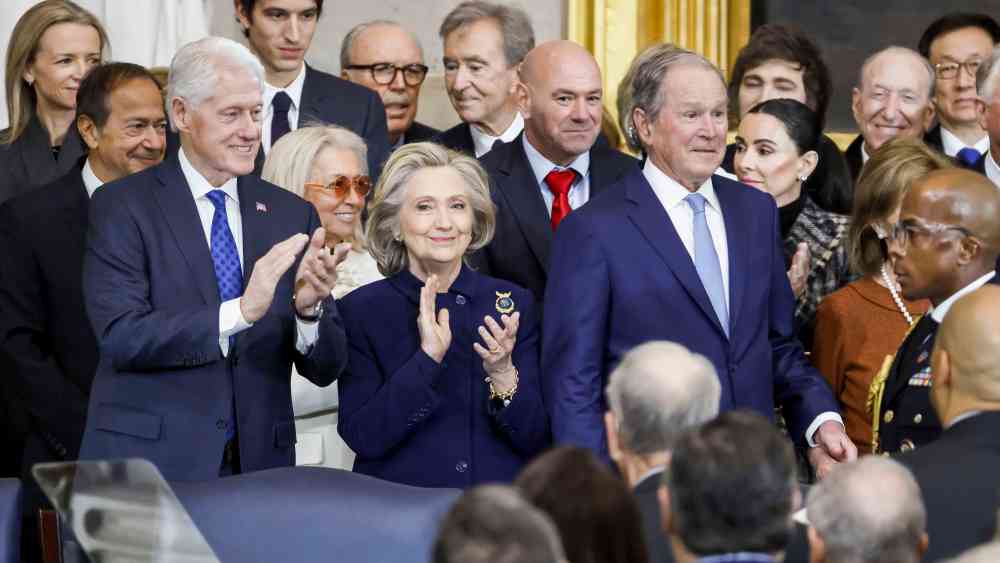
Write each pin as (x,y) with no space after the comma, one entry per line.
(706,261)
(228,273)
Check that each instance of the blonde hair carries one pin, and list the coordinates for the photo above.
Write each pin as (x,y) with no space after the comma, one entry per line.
(290,160)
(383,227)
(883,182)
(21,51)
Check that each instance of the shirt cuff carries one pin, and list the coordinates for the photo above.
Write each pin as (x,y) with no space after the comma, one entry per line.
(817,422)
(306,334)
(231,323)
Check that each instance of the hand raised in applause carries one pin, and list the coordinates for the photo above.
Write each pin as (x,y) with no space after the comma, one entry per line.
(499,347)
(267,271)
(317,272)
(435,330)
(798,274)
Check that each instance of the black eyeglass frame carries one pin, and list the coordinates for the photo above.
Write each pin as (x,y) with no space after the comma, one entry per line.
(409,71)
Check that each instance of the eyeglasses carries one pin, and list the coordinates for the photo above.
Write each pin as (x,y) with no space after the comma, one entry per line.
(385,73)
(342,184)
(904,231)
(949,70)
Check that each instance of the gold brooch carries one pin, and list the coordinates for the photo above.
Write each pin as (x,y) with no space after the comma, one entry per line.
(505,305)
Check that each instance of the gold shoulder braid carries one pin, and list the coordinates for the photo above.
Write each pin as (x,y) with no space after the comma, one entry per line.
(877,388)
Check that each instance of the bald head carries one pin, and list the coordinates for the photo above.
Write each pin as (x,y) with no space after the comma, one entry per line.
(970,334)
(560,96)
(967,199)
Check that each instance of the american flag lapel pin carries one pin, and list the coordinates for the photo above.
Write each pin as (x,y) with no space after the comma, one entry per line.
(261,207)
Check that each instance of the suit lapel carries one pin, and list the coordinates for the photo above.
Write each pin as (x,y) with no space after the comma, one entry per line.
(736,220)
(181,213)
(254,210)
(653,222)
(312,101)
(521,192)
(600,176)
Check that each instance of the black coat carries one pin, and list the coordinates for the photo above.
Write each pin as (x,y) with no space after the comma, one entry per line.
(458,138)
(28,162)
(418,133)
(957,475)
(657,544)
(519,251)
(853,157)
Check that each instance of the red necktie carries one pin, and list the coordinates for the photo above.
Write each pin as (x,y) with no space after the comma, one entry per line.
(559,182)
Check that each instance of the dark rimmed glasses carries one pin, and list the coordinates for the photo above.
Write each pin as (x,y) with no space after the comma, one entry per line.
(342,184)
(385,73)
(949,70)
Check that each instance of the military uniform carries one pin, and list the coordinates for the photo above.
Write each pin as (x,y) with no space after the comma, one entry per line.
(904,418)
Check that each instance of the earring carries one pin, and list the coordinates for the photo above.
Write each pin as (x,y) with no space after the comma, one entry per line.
(803,178)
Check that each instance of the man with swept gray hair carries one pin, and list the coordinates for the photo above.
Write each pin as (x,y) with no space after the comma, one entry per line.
(869,511)
(387,58)
(987,78)
(189,286)
(657,392)
(483,44)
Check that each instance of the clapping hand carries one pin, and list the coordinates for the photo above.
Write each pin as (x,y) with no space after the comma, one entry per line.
(799,272)
(267,270)
(435,331)
(317,273)
(496,354)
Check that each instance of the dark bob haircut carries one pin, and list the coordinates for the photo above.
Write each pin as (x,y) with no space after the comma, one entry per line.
(953,22)
(92,99)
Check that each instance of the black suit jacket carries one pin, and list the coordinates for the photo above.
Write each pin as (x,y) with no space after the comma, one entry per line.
(28,162)
(933,138)
(45,330)
(957,475)
(519,251)
(418,132)
(458,138)
(853,157)
(657,544)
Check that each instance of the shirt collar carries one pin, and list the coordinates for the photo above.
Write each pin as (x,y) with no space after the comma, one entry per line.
(992,168)
(483,141)
(864,153)
(654,471)
(744,556)
(199,185)
(952,144)
(938,313)
(294,90)
(671,193)
(961,417)
(541,166)
(90,180)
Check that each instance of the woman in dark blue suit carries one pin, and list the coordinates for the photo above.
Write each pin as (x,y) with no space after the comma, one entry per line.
(442,388)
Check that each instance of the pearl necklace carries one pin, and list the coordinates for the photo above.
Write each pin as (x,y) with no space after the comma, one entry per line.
(896,297)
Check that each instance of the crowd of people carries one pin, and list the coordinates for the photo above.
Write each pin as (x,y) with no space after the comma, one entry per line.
(698,351)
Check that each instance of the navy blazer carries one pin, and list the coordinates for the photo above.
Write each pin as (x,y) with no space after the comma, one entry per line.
(519,251)
(163,390)
(417,422)
(620,276)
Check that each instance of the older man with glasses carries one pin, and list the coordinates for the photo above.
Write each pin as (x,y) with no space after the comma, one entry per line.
(387,58)
(944,246)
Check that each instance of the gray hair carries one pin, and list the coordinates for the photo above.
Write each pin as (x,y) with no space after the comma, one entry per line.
(291,159)
(348,43)
(896,49)
(383,229)
(194,70)
(495,524)
(987,75)
(856,530)
(647,92)
(658,391)
(515,26)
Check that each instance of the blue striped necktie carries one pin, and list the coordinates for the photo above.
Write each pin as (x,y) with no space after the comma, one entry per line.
(706,260)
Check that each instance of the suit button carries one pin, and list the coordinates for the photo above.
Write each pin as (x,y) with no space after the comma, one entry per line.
(907,445)
(462,466)
(220,424)
(460,300)
(887,418)
(918,418)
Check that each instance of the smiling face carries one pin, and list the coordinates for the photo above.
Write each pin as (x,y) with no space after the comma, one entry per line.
(339,216)
(767,158)
(893,99)
(280,32)
(687,139)
(774,79)
(221,135)
(477,77)
(955,98)
(134,136)
(435,220)
(65,53)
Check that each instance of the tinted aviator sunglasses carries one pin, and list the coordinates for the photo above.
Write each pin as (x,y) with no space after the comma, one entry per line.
(342,184)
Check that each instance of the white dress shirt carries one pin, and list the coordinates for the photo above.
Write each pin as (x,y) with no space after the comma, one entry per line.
(483,141)
(671,195)
(579,192)
(231,320)
(992,168)
(938,313)
(294,91)
(90,180)
(952,144)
